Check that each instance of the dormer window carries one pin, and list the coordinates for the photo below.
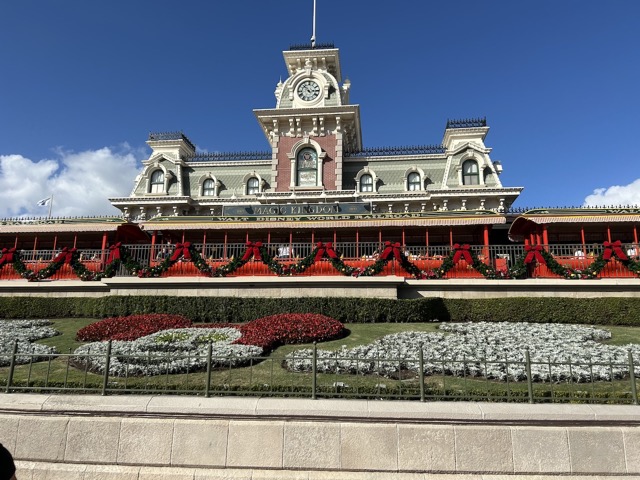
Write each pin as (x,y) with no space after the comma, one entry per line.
(366,183)
(157,182)
(253,186)
(413,182)
(208,188)
(470,174)
(307,168)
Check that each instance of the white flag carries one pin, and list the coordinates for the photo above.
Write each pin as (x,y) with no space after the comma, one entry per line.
(44,202)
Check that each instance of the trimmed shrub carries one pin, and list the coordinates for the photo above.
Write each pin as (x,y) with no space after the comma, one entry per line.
(596,311)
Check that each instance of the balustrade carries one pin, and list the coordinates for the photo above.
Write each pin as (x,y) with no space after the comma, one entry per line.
(354,254)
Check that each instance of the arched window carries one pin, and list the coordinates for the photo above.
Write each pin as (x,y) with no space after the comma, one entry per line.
(307,168)
(413,182)
(366,183)
(208,188)
(253,186)
(470,173)
(157,181)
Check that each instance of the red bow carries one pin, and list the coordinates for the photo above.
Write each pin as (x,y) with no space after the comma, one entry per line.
(65,255)
(253,250)
(614,248)
(462,251)
(114,252)
(7,255)
(533,252)
(391,250)
(325,249)
(182,250)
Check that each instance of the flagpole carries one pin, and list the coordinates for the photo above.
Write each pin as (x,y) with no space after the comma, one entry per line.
(313,34)
(50,205)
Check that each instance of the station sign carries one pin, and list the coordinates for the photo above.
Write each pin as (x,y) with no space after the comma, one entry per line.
(297,209)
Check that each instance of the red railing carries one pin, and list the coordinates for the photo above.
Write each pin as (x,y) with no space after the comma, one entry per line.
(500,257)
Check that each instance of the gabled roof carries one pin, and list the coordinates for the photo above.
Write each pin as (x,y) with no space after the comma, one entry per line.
(542,216)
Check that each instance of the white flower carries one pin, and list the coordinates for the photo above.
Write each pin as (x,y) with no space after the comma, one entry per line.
(169,351)
(491,350)
(25,332)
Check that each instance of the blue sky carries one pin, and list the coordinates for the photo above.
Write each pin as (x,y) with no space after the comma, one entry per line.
(83,83)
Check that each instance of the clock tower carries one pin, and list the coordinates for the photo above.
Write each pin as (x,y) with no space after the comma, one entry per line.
(313,124)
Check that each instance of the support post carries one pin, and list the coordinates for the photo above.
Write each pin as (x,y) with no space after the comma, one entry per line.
(528,370)
(485,238)
(103,247)
(207,387)
(421,373)
(632,375)
(314,371)
(12,365)
(545,236)
(107,364)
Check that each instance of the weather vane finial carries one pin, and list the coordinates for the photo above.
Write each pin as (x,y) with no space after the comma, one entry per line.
(313,34)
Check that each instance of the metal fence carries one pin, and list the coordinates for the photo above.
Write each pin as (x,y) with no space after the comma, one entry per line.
(422,378)
(359,254)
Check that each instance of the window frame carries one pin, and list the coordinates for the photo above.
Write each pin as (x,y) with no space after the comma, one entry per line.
(209,188)
(468,175)
(253,189)
(414,180)
(156,181)
(313,169)
(367,187)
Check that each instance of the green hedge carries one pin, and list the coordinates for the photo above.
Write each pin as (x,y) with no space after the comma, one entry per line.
(597,311)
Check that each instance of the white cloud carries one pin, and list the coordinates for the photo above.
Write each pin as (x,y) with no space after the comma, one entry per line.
(80,182)
(625,195)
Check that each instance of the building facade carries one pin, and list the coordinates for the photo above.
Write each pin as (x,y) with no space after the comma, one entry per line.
(317,171)
(318,182)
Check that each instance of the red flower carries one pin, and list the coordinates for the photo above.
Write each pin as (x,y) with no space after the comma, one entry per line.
(269,332)
(131,327)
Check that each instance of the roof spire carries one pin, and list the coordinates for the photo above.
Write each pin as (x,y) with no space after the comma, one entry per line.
(313,33)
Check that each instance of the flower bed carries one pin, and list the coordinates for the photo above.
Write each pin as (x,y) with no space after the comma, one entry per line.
(178,350)
(169,351)
(25,332)
(285,329)
(490,350)
(131,327)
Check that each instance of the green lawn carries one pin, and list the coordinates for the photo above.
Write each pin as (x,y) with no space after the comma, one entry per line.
(269,376)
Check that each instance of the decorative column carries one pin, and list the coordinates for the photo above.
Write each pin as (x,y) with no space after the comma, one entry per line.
(104,246)
(154,238)
(485,250)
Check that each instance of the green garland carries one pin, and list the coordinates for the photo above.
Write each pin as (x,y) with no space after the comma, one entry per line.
(447,264)
(519,270)
(590,272)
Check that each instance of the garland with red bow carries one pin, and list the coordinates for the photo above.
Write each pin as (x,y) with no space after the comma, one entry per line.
(6,257)
(537,254)
(120,255)
(464,252)
(70,256)
(534,254)
(614,249)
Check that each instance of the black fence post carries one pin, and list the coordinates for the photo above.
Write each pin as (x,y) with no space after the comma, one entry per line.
(12,365)
(632,374)
(529,380)
(421,373)
(208,385)
(314,371)
(107,363)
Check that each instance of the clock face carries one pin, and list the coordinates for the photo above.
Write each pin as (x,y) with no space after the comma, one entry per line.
(308,90)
